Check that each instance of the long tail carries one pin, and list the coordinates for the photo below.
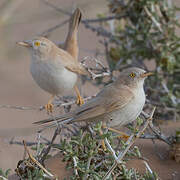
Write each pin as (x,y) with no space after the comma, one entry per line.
(62,119)
(71,43)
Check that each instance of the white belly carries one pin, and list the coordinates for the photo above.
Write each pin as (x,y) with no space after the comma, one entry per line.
(130,112)
(53,79)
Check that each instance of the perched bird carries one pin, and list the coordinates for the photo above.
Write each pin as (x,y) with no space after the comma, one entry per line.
(118,103)
(52,68)
(55,69)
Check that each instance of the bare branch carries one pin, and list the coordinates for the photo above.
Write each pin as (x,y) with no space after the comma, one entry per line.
(102,72)
(75,166)
(104,18)
(45,151)
(168,140)
(58,104)
(172,97)
(17,107)
(49,30)
(156,23)
(159,134)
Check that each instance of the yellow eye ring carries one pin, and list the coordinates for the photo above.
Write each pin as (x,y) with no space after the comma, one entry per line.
(37,43)
(132,75)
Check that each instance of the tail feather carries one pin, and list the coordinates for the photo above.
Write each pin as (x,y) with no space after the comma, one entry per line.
(75,20)
(65,119)
(71,44)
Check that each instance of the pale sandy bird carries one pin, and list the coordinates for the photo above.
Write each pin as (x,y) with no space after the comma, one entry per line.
(117,104)
(56,70)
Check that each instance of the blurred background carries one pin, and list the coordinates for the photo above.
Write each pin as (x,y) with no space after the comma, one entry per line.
(23,20)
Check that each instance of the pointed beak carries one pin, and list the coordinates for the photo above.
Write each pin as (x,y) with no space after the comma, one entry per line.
(146,74)
(25,43)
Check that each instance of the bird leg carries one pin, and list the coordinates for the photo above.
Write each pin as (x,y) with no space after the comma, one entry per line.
(49,106)
(102,141)
(79,100)
(122,134)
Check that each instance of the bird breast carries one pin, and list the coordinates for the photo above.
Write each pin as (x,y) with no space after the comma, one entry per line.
(53,78)
(130,112)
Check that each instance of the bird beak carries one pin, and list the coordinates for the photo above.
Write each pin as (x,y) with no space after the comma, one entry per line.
(146,74)
(25,43)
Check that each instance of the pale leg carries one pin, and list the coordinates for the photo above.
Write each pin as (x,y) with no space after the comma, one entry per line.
(122,134)
(79,100)
(49,106)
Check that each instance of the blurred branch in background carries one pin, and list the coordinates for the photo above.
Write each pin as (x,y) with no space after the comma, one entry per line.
(7,9)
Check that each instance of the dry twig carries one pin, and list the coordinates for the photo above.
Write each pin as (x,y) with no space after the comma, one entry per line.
(45,151)
(102,72)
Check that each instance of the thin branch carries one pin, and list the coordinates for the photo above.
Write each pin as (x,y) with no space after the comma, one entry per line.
(27,143)
(172,97)
(45,151)
(148,168)
(75,166)
(38,143)
(102,32)
(159,134)
(58,104)
(157,24)
(102,72)
(56,8)
(49,30)
(18,107)
(98,62)
(105,18)
(158,137)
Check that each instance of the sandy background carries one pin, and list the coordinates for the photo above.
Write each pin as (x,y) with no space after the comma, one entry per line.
(26,21)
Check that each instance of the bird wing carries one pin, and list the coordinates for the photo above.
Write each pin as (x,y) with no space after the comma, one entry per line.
(70,63)
(108,100)
(124,96)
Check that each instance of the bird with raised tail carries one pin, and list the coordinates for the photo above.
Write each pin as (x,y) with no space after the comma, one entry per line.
(117,104)
(54,69)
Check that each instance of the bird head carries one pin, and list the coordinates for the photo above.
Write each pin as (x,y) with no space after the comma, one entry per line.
(40,47)
(133,76)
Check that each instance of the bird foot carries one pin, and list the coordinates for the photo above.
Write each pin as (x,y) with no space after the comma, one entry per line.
(49,108)
(79,101)
(103,145)
(124,136)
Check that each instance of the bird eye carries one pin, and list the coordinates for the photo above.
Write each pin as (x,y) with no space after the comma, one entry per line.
(37,43)
(132,75)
